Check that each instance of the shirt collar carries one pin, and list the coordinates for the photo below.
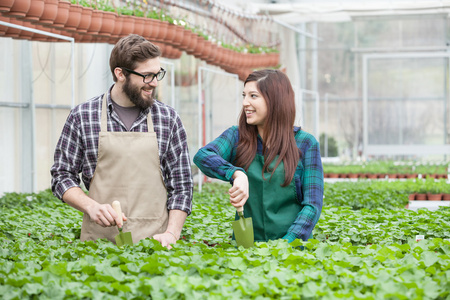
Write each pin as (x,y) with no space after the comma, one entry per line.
(108,99)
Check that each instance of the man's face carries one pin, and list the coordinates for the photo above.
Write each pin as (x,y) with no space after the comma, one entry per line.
(140,93)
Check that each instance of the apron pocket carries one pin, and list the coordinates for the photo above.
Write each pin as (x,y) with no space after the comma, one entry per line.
(91,231)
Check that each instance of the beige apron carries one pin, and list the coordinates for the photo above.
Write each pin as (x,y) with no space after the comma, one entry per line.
(128,171)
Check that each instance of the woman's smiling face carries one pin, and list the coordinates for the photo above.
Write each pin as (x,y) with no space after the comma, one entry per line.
(255,107)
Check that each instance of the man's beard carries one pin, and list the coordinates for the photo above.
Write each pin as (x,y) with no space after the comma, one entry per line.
(134,93)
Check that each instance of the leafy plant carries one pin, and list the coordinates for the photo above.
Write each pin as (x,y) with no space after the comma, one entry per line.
(356,254)
(105,5)
(388,167)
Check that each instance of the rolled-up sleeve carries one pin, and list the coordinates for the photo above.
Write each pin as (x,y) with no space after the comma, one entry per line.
(215,159)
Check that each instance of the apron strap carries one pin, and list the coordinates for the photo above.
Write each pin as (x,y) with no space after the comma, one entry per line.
(150,122)
(104,121)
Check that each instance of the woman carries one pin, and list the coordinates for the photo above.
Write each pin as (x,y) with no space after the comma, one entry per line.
(274,167)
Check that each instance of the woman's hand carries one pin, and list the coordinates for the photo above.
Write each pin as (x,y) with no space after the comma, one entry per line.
(239,191)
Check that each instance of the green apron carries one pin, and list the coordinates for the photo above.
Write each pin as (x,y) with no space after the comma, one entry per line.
(273,208)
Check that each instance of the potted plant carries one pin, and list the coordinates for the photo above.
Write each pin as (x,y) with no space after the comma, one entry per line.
(420,189)
(437,188)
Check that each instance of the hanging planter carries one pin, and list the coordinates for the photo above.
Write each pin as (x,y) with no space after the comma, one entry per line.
(206,50)
(24,34)
(63,14)
(162,33)
(170,34)
(116,34)
(13,32)
(274,59)
(36,10)
(241,72)
(167,51)
(96,22)
(83,38)
(107,23)
(192,42)
(186,40)
(177,35)
(198,46)
(212,54)
(85,19)
(5,5)
(228,58)
(41,37)
(73,21)
(220,57)
(49,12)
(161,46)
(2,27)
(19,9)
(171,52)
(151,29)
(138,25)
(127,25)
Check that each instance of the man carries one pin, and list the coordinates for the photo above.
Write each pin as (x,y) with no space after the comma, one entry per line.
(128,147)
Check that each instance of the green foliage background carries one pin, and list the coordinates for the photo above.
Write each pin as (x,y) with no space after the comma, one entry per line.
(364,248)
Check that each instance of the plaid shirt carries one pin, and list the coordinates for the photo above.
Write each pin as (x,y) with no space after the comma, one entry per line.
(215,161)
(76,151)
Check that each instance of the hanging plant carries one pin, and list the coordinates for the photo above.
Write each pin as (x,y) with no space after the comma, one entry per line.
(104,5)
(153,14)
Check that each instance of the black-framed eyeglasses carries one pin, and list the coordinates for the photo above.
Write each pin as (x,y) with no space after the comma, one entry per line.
(150,76)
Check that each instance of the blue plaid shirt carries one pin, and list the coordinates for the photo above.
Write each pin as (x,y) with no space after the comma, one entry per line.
(77,148)
(215,159)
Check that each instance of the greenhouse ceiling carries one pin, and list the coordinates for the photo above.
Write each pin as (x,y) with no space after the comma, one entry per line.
(298,11)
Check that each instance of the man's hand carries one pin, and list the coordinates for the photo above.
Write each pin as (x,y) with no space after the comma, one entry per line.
(104,215)
(166,239)
(239,192)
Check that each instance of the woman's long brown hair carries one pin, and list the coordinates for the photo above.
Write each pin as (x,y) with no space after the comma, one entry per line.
(279,139)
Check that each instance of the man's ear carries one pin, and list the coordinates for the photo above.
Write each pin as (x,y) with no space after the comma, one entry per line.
(119,74)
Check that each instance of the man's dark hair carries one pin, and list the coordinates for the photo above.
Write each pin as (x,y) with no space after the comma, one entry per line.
(131,50)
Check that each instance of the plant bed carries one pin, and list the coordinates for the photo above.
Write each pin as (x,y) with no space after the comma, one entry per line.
(393,169)
(367,253)
(428,196)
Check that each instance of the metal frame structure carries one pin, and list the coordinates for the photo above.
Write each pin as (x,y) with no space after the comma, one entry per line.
(172,81)
(28,108)
(201,102)
(399,149)
(300,103)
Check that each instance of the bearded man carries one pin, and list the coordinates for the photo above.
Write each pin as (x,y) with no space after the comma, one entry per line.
(128,147)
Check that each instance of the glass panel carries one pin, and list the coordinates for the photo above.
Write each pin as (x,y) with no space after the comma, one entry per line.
(423,32)
(309,113)
(51,122)
(378,33)
(407,101)
(222,105)
(10,150)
